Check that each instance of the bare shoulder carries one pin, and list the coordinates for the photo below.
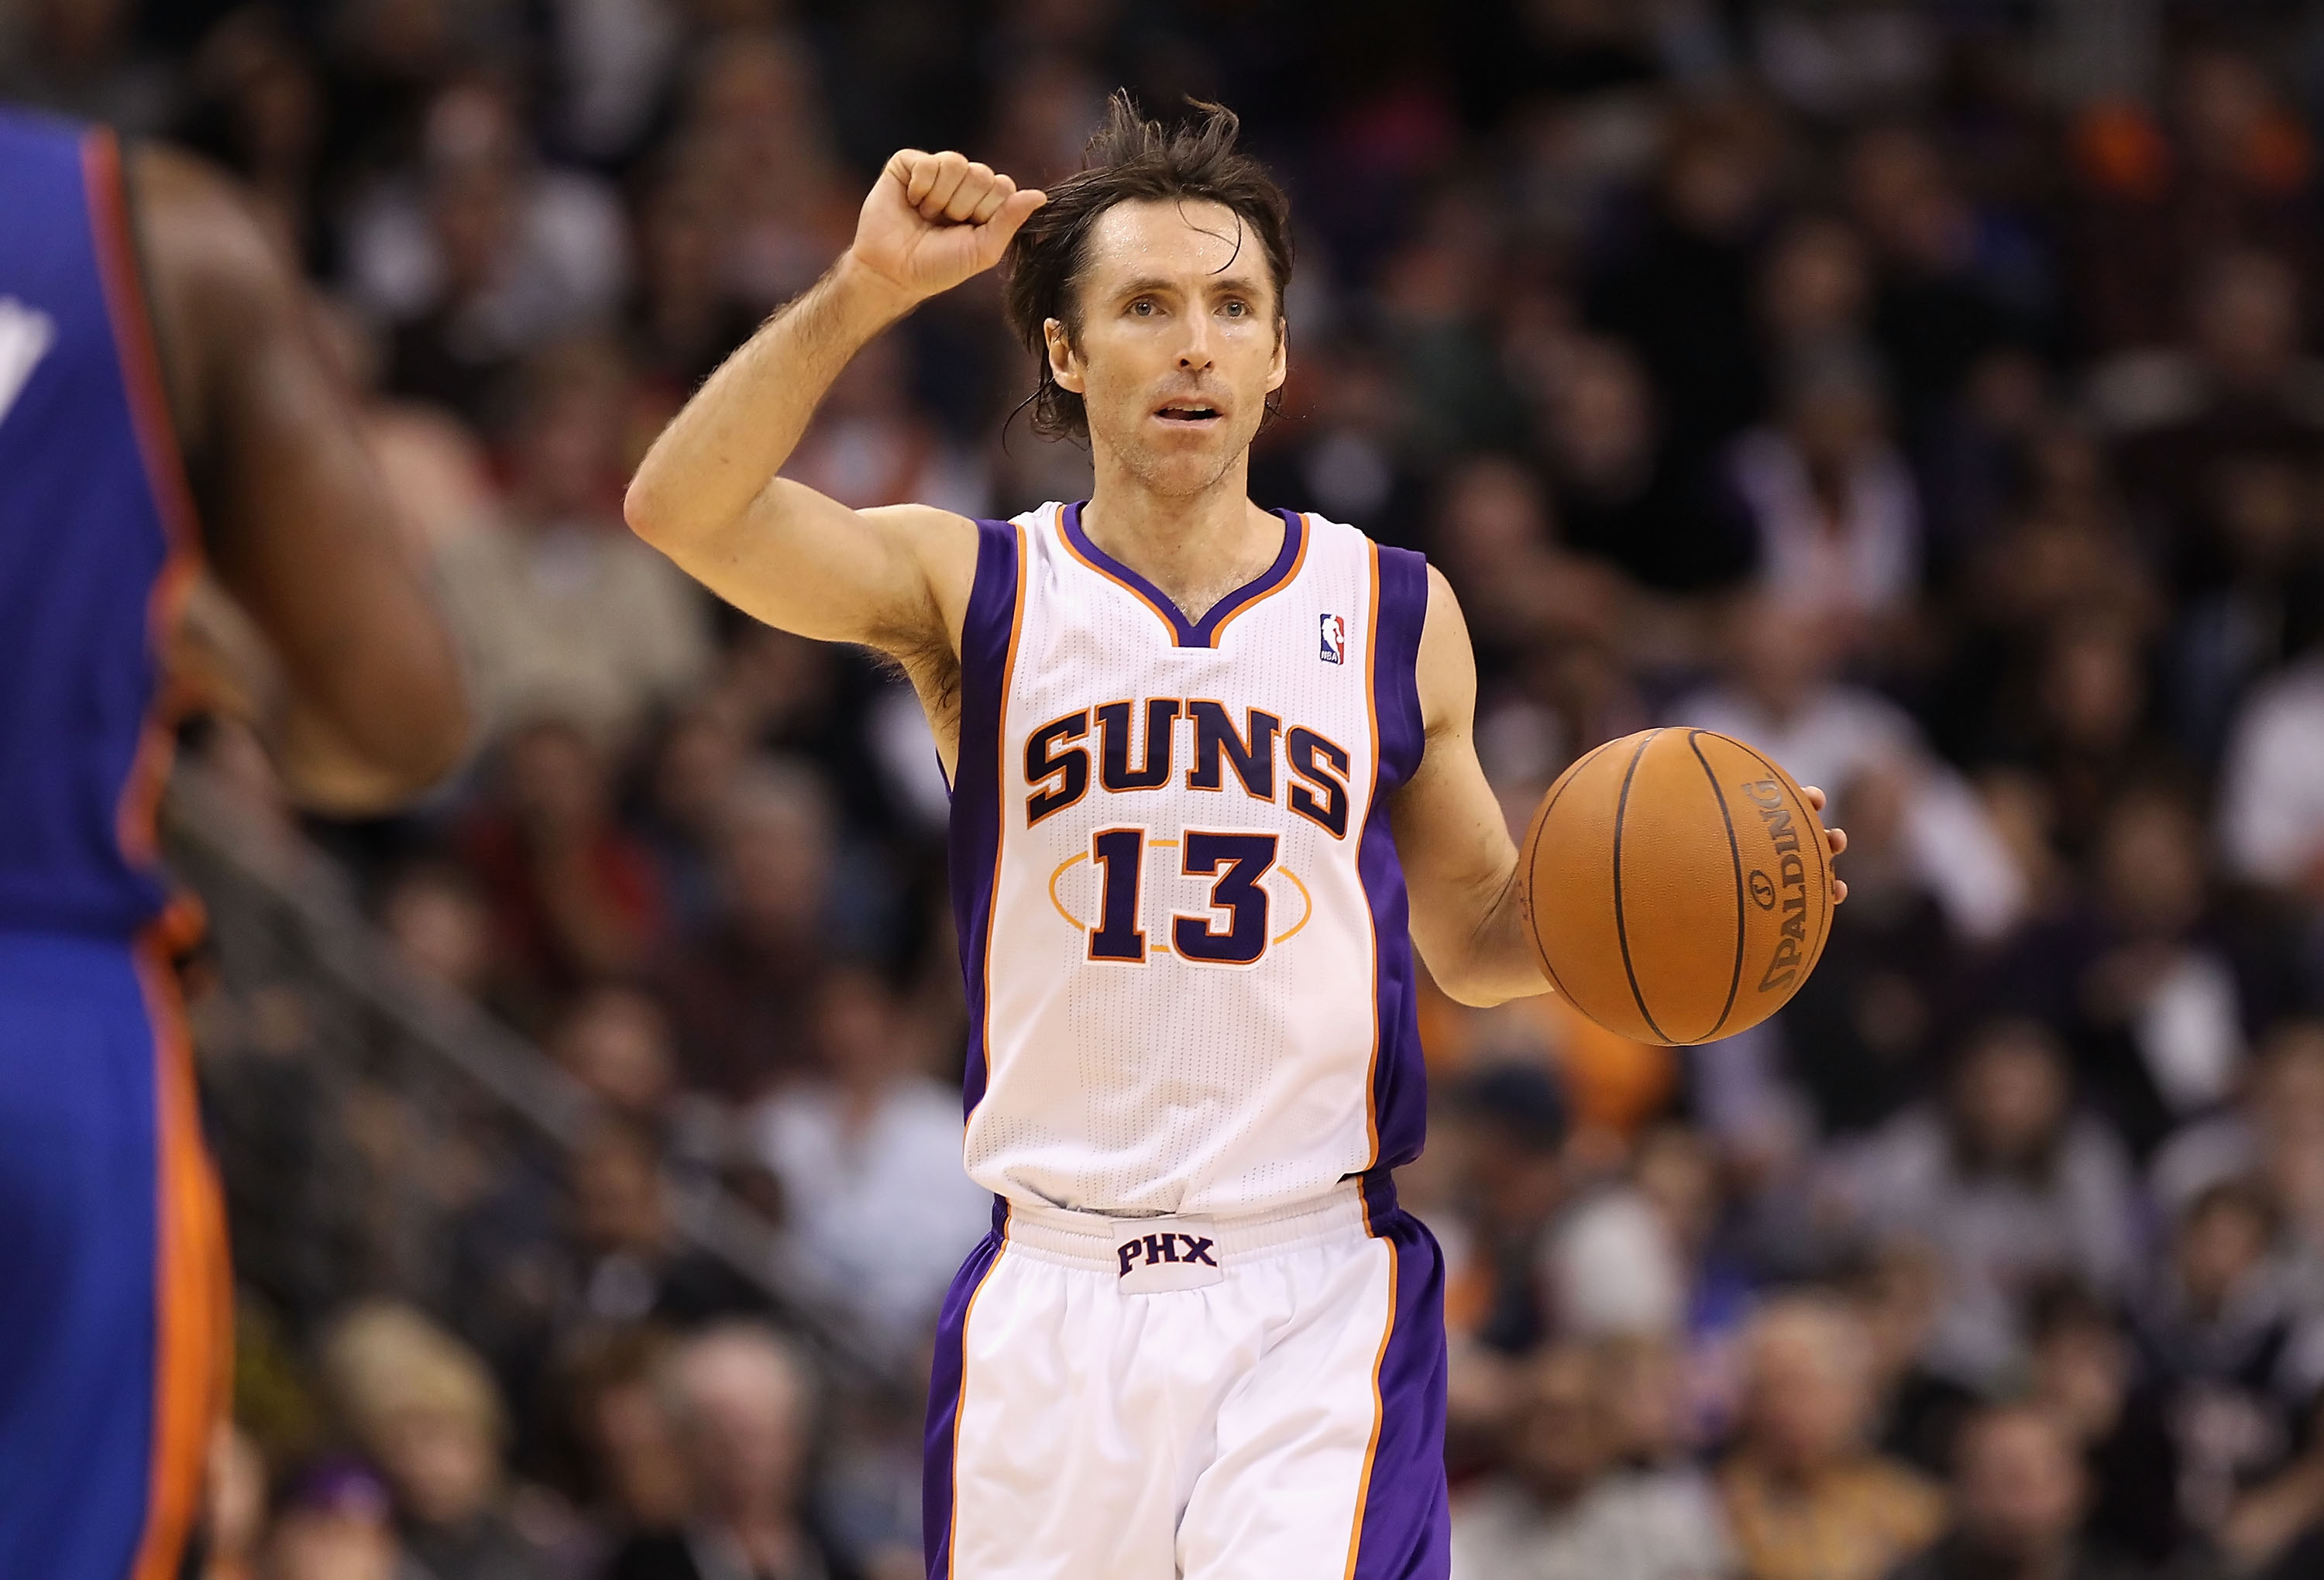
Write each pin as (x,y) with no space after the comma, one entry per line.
(216,279)
(194,224)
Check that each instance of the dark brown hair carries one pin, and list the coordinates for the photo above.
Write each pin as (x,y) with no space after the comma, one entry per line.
(1129,159)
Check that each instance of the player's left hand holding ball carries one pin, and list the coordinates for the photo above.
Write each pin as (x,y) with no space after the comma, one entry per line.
(1835,840)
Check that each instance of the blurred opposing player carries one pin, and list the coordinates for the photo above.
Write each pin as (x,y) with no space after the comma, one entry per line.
(161,404)
(1210,763)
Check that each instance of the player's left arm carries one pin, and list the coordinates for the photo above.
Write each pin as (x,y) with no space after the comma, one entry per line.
(1459,864)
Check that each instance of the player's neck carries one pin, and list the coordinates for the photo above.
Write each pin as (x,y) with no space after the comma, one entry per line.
(1196,548)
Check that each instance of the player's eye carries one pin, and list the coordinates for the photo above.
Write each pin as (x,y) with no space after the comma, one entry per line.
(1237,308)
(1143,306)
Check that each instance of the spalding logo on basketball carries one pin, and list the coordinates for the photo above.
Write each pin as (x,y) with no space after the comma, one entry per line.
(1676,886)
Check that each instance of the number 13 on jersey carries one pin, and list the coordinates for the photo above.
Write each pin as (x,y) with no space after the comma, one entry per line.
(1234,933)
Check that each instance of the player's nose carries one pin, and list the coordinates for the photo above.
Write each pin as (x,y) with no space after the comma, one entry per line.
(1194,355)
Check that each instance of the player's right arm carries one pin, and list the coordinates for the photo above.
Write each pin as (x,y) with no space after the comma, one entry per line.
(706,493)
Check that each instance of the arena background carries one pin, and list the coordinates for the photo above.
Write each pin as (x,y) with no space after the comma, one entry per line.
(1927,393)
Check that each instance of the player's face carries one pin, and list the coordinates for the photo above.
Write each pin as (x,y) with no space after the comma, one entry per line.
(1181,339)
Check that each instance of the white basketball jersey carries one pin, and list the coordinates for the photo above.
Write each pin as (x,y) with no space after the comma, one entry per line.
(1182,926)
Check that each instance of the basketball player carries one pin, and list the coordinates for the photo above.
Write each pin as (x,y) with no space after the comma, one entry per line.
(1211,767)
(154,358)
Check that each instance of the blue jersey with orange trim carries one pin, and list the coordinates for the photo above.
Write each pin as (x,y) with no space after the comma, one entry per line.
(93,523)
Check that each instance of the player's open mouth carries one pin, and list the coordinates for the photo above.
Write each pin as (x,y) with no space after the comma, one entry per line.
(1192,416)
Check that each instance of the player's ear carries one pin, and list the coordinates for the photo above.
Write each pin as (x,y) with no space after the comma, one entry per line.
(1280,368)
(1064,365)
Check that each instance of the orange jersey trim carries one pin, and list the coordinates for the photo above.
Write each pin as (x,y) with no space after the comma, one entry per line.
(136,814)
(193,1314)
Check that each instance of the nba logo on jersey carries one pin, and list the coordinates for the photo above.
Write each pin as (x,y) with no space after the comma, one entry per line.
(1334,648)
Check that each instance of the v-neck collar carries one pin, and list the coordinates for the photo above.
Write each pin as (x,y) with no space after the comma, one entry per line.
(1204,632)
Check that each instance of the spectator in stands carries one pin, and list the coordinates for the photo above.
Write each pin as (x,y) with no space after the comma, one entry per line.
(1936,311)
(2244,392)
(1781,693)
(1568,1512)
(1520,589)
(743,1399)
(425,1411)
(622,1445)
(740,986)
(432,464)
(869,444)
(435,915)
(2018,1496)
(1805,1497)
(867,1154)
(2007,1184)
(1832,508)
(2271,806)
(1347,453)
(2152,982)
(685,317)
(691,777)
(1638,1258)
(573,896)
(565,612)
(1510,1121)
(1619,496)
(2276,1530)
(1862,1033)
(2278,1118)
(2231,1338)
(628,1262)
(1675,285)
(2087,1375)
(233,1519)
(2231,165)
(617,1041)
(1896,1287)
(336,1522)
(482,254)
(756,120)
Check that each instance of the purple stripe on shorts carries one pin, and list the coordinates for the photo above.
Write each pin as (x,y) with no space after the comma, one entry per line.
(1406,1531)
(1399,1077)
(974,838)
(944,1401)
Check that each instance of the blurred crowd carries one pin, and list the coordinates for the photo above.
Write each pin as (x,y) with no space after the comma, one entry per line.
(1931,394)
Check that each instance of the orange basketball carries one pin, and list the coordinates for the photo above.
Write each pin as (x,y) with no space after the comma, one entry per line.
(1676,886)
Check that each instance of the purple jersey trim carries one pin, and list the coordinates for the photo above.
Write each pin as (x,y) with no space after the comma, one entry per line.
(945,1381)
(1404,1529)
(973,854)
(1399,1094)
(1201,633)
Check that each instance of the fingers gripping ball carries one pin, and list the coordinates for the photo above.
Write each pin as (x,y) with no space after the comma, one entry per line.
(1677,886)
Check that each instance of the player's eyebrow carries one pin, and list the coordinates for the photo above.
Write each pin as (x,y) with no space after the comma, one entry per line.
(1235,284)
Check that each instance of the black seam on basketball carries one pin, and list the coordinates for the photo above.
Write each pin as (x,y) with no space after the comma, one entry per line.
(1621,934)
(1532,845)
(1823,867)
(1734,983)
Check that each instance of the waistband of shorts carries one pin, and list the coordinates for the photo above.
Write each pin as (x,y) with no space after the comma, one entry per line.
(1091,1239)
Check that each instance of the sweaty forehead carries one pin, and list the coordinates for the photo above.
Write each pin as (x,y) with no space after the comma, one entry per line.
(1186,242)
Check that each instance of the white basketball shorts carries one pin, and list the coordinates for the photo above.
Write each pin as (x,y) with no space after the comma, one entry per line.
(1145,1399)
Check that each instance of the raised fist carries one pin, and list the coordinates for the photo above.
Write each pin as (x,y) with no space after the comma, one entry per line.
(934,219)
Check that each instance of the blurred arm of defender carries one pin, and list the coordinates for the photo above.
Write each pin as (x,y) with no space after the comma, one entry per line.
(1460,863)
(294,516)
(895,578)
